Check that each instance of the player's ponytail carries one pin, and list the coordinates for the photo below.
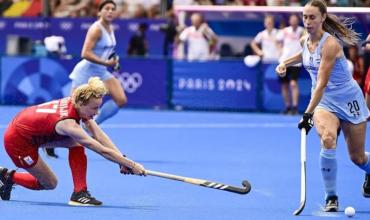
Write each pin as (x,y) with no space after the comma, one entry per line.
(94,88)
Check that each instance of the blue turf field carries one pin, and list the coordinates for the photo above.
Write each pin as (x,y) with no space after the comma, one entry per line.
(225,147)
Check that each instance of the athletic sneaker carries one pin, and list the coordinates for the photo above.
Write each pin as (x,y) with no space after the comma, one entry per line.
(286,111)
(293,111)
(51,152)
(366,186)
(83,198)
(6,183)
(332,204)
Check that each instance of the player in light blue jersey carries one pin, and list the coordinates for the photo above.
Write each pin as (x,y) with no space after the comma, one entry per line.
(97,51)
(336,101)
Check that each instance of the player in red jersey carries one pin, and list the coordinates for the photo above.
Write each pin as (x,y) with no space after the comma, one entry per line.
(57,124)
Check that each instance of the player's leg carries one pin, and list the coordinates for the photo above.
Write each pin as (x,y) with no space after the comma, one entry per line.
(327,125)
(38,177)
(294,73)
(284,81)
(111,107)
(78,164)
(43,177)
(355,138)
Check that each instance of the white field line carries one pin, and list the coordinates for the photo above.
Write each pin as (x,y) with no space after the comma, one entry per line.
(199,125)
(193,125)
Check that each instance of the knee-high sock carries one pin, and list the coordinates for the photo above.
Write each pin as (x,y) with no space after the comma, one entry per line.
(27,180)
(108,109)
(328,166)
(366,166)
(78,164)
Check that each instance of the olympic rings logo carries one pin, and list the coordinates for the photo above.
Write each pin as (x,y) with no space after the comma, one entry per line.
(66,25)
(131,82)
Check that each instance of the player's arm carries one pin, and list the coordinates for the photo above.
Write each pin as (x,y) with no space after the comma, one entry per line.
(104,139)
(92,37)
(281,68)
(69,127)
(183,36)
(100,135)
(295,59)
(329,53)
(256,49)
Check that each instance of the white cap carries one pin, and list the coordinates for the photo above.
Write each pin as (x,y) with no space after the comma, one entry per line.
(252,60)
(55,44)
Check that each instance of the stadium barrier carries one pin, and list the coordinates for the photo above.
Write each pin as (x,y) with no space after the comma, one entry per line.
(155,83)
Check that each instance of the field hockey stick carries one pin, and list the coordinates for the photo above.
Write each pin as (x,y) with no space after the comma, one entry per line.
(303,172)
(206,183)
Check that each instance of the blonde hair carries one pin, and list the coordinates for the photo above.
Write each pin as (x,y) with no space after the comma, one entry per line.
(341,28)
(94,88)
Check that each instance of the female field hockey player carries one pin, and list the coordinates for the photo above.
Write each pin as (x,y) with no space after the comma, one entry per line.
(336,101)
(57,124)
(98,47)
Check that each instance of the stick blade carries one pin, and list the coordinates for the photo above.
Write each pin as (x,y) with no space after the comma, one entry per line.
(240,190)
(247,186)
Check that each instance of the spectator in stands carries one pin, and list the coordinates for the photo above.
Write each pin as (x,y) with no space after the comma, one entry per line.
(183,2)
(139,8)
(275,2)
(268,50)
(255,2)
(289,37)
(138,45)
(200,38)
(234,2)
(203,2)
(71,8)
(170,31)
(366,46)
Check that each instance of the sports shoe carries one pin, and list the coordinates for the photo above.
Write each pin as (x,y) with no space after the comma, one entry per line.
(51,152)
(83,198)
(286,111)
(332,204)
(6,183)
(366,186)
(293,111)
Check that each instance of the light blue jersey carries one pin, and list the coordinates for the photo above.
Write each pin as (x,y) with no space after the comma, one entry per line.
(342,96)
(85,69)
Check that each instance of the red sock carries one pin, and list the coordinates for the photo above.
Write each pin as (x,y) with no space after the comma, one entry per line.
(78,164)
(26,180)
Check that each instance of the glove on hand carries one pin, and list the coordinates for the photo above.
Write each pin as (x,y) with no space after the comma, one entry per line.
(306,122)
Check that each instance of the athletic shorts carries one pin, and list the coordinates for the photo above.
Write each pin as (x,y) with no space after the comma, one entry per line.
(367,82)
(85,69)
(292,73)
(348,104)
(23,153)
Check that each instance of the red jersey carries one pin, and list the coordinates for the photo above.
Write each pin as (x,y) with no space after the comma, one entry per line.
(37,123)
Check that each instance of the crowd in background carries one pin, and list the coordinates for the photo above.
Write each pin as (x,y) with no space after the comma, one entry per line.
(137,8)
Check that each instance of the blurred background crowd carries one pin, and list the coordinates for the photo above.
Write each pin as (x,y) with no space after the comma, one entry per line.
(137,8)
